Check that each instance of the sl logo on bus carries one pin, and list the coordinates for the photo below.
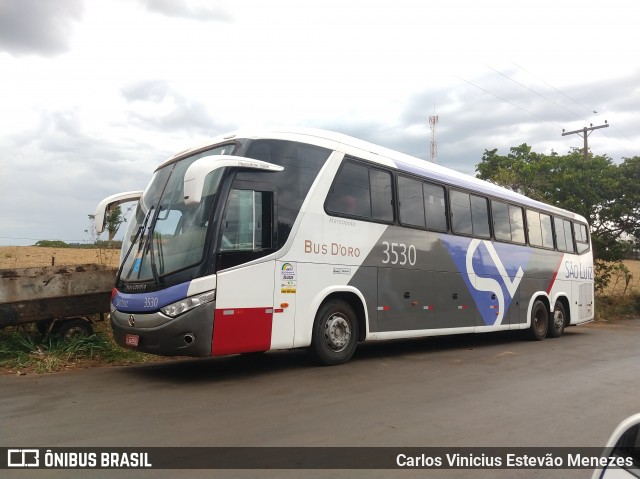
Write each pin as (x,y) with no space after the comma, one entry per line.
(491,285)
(488,278)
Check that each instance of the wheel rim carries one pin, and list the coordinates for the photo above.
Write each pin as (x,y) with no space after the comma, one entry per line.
(539,319)
(337,332)
(558,319)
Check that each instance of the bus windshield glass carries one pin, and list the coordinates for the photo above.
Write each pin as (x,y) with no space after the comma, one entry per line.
(165,235)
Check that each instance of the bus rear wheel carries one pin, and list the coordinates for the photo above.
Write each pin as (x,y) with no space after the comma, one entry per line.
(335,333)
(539,321)
(557,323)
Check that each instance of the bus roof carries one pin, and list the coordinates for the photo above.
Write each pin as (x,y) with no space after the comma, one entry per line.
(386,157)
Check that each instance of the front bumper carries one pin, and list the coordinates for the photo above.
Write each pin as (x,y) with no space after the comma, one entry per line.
(189,334)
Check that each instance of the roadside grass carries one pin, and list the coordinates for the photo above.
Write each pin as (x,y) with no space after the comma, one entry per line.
(617,307)
(26,351)
(621,298)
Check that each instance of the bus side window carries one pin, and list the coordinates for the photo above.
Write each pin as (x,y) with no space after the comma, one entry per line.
(460,213)
(381,195)
(411,202)
(547,231)
(480,216)
(435,207)
(470,214)
(564,239)
(361,191)
(501,224)
(582,237)
(350,194)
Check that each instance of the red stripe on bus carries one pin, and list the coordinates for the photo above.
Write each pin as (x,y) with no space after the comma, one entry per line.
(247,330)
(555,274)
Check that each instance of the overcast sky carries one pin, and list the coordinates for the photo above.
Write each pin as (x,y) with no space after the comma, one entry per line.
(95,94)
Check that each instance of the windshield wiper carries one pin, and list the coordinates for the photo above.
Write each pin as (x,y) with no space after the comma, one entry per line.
(150,243)
(139,235)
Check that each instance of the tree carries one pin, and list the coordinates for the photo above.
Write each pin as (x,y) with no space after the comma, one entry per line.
(113,219)
(608,195)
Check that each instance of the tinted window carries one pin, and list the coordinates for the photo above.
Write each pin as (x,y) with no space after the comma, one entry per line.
(301,163)
(361,191)
(582,237)
(564,239)
(501,225)
(480,216)
(547,231)
(469,214)
(381,195)
(434,204)
(461,213)
(350,193)
(411,202)
(568,236)
(534,228)
(517,224)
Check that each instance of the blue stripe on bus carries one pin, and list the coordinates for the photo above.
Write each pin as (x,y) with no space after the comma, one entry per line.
(149,302)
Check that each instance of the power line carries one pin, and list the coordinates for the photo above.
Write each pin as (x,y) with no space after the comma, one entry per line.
(510,103)
(590,110)
(535,92)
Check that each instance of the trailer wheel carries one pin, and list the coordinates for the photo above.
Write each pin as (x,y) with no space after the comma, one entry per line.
(335,333)
(73,328)
(539,321)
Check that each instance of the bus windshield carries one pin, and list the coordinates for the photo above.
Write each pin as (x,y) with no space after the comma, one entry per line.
(165,235)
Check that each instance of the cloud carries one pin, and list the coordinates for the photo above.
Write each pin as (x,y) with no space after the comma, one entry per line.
(36,27)
(187,10)
(156,106)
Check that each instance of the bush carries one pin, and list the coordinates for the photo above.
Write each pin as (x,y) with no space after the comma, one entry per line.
(610,308)
(52,244)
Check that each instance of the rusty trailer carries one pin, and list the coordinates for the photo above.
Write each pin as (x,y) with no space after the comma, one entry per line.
(59,299)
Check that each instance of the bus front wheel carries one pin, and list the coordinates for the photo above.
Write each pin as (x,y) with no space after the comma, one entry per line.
(539,321)
(335,333)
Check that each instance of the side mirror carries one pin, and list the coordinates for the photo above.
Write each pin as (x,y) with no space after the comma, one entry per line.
(196,173)
(109,202)
(622,451)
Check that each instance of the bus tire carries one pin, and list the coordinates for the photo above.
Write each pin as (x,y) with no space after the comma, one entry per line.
(539,321)
(335,333)
(558,321)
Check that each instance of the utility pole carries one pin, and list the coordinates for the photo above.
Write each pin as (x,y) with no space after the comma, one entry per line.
(585,132)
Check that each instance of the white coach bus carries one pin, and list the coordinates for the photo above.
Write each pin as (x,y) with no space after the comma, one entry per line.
(286,239)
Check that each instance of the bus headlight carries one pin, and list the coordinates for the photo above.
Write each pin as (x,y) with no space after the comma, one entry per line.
(187,304)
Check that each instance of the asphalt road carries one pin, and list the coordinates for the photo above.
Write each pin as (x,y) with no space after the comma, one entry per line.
(466,391)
